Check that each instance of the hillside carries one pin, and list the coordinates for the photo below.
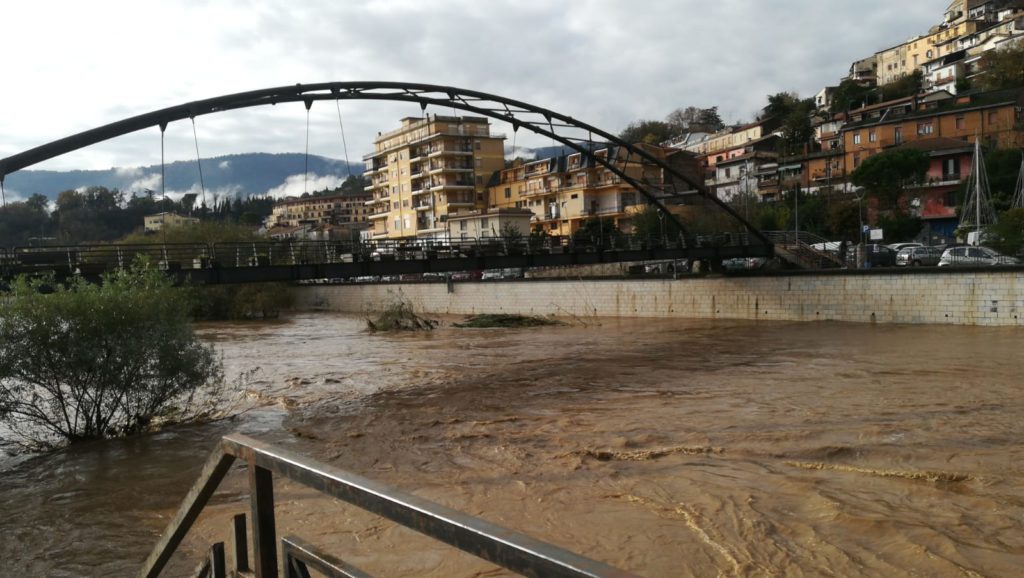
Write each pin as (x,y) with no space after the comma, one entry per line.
(241,174)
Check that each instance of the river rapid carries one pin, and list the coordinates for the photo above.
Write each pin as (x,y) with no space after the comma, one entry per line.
(664,447)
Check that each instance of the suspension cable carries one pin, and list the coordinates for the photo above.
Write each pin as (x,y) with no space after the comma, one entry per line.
(163,172)
(199,161)
(305,173)
(3,194)
(348,170)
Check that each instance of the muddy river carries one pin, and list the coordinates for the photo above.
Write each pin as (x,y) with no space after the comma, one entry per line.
(664,447)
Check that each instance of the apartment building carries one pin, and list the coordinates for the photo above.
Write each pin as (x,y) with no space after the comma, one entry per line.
(320,210)
(997,118)
(428,169)
(564,191)
(489,223)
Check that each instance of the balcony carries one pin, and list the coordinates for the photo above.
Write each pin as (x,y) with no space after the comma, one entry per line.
(450,150)
(377,216)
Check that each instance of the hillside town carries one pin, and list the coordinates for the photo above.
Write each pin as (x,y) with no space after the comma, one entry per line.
(449,177)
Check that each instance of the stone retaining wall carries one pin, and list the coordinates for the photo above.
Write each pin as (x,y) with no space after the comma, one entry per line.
(933,296)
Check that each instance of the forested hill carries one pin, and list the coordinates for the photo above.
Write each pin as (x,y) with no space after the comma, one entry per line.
(242,174)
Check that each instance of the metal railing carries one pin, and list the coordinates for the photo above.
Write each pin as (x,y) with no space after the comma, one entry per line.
(188,258)
(800,245)
(501,546)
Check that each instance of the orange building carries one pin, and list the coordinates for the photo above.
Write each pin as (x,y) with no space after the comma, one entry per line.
(997,118)
(563,192)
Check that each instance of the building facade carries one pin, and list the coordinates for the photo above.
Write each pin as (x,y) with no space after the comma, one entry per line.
(154,223)
(563,192)
(427,170)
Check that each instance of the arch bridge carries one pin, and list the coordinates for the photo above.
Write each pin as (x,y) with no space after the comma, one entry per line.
(730,235)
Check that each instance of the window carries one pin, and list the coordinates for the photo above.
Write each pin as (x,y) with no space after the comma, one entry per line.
(950,168)
(960,122)
(856,138)
(508,192)
(574,196)
(477,143)
(993,116)
(394,205)
(462,225)
(398,224)
(872,137)
(483,222)
(897,134)
(924,128)
(856,160)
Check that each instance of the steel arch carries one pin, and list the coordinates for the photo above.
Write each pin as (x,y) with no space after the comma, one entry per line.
(545,122)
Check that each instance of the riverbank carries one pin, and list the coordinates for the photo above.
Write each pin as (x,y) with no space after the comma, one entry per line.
(976,297)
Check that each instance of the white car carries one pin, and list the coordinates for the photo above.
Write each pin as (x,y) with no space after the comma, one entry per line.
(897,247)
(974,257)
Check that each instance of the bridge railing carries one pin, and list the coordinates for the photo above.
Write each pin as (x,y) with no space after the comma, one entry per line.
(500,546)
(96,259)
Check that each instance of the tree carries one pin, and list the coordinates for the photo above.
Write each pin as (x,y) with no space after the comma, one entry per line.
(693,119)
(1002,68)
(19,222)
(887,174)
(651,223)
(647,131)
(87,361)
(1008,232)
(909,85)
(851,94)
(599,232)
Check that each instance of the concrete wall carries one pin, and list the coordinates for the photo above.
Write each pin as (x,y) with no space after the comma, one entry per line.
(959,298)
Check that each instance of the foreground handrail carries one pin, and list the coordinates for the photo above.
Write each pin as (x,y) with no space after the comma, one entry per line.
(507,548)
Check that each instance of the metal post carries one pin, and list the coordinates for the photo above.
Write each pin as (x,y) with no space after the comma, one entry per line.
(240,545)
(264,533)
(217,567)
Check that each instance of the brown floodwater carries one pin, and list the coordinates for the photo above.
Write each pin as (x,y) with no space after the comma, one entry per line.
(664,447)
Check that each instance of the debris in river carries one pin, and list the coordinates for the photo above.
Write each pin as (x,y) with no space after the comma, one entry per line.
(506,320)
(399,316)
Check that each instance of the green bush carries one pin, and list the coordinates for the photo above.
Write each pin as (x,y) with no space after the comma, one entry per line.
(245,301)
(86,361)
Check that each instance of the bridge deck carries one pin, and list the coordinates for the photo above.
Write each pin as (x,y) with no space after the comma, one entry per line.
(203,264)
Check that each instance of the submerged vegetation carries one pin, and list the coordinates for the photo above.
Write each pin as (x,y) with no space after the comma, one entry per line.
(399,316)
(86,361)
(506,320)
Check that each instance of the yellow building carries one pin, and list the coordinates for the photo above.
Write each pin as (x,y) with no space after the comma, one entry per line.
(428,169)
(892,64)
(940,41)
(154,223)
(563,192)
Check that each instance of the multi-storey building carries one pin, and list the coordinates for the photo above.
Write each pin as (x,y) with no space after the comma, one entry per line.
(563,192)
(428,169)
(997,118)
(320,210)
(892,64)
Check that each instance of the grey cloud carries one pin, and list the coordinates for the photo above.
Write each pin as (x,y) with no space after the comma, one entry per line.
(606,62)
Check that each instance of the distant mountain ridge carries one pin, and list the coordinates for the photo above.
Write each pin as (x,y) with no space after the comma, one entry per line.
(246,174)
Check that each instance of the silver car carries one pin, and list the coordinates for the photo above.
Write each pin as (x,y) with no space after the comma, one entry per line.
(918,256)
(974,257)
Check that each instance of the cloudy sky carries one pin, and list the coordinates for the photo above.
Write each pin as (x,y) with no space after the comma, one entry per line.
(70,65)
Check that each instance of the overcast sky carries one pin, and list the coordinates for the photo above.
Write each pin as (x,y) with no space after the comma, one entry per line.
(70,65)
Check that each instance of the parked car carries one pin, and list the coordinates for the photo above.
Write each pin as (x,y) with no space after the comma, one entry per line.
(918,256)
(897,247)
(879,255)
(974,257)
